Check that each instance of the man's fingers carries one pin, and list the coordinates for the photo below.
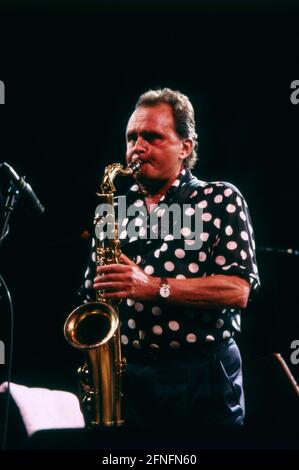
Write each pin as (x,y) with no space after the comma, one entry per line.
(111,286)
(110,277)
(111,268)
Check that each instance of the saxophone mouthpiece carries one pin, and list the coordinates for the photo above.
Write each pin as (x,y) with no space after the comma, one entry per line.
(135,164)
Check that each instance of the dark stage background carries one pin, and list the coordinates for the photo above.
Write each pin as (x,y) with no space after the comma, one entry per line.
(72,74)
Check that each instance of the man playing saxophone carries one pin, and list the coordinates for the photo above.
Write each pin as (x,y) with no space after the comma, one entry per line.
(182,283)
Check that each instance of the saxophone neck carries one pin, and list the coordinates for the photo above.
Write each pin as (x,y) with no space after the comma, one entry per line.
(111,171)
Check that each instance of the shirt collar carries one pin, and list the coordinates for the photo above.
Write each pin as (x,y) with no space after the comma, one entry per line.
(183,177)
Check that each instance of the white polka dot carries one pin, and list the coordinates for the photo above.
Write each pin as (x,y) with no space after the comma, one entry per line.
(183,172)
(149,269)
(130,302)
(226,268)
(154,346)
(208,190)
(133,239)
(138,222)
(156,311)
(217,223)
(135,187)
(231,245)
(185,231)
(142,232)
(157,330)
(191,338)
(206,217)
(123,234)
(227,192)
(239,202)
(174,345)
(229,230)
(88,284)
(251,252)
(169,266)
(168,237)
(160,212)
(179,253)
(138,259)
(176,183)
(244,235)
(220,260)
(93,257)
(218,198)
(131,323)
(138,203)
(87,273)
(202,256)
(243,254)
(189,242)
(155,228)
(180,276)
(255,268)
(242,215)
(193,268)
(164,247)
(219,323)
(230,208)
(141,334)
(202,204)
(174,325)
(193,194)
(139,307)
(253,244)
(226,334)
(189,211)
(157,253)
(124,222)
(204,236)
(93,242)
(210,338)
(124,339)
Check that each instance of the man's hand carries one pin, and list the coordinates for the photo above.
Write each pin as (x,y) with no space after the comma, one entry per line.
(126,280)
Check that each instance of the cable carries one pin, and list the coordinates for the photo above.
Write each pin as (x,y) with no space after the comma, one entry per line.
(280,251)
(6,411)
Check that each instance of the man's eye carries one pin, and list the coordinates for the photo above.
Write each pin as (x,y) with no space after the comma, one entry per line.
(152,136)
(131,138)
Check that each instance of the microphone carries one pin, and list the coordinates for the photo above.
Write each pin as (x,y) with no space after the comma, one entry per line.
(23,186)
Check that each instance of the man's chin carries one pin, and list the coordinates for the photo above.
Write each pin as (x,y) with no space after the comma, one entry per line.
(149,182)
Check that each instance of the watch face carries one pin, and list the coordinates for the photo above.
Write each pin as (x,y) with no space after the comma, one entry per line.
(164,291)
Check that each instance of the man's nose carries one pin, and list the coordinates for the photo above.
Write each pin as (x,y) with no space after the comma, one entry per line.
(140,145)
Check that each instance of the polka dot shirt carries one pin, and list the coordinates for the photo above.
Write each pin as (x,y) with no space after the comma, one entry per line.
(226,247)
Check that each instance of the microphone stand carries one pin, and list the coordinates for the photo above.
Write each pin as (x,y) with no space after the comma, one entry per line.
(11,201)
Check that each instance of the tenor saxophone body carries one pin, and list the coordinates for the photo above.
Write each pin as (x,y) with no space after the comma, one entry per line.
(94,327)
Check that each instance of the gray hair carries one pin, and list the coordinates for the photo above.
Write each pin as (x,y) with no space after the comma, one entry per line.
(183,115)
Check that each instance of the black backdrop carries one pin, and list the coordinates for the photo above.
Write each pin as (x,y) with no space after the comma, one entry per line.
(72,74)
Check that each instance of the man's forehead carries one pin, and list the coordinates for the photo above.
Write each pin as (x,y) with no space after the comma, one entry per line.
(159,114)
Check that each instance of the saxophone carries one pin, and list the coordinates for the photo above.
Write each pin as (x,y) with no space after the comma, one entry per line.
(94,327)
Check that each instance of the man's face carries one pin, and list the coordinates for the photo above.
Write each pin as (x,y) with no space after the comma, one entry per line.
(151,136)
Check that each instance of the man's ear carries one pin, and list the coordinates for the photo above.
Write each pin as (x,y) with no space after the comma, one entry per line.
(187,146)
